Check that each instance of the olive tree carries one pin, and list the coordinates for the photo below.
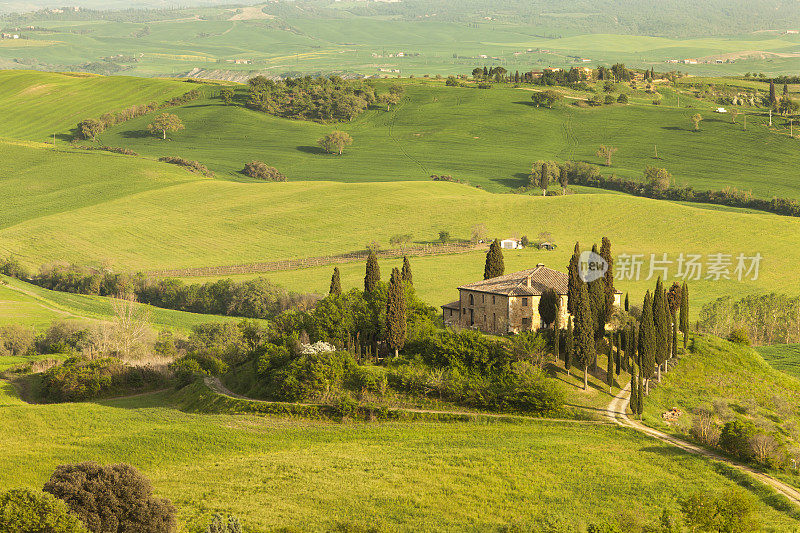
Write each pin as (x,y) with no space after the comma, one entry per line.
(335,142)
(165,122)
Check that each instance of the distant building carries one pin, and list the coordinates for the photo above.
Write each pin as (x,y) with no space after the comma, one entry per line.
(720,110)
(510,244)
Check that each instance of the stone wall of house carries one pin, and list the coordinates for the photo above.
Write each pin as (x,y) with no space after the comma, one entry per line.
(489,312)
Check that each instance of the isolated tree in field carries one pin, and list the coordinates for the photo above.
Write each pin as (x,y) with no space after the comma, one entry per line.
(696,119)
(647,340)
(495,265)
(574,280)
(546,98)
(444,236)
(734,115)
(405,274)
(335,142)
(165,122)
(605,152)
(548,307)
(389,99)
(658,179)
(685,314)
(112,498)
(584,334)
(90,128)
(396,313)
(336,283)
(226,94)
(569,346)
(373,274)
(787,106)
(661,324)
(674,301)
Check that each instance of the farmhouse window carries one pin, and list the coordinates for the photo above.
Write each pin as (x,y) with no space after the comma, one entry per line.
(524,302)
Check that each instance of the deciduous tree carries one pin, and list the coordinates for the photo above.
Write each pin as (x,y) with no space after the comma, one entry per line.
(696,119)
(165,122)
(335,142)
(605,152)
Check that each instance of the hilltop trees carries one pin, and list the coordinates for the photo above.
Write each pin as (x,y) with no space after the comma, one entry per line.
(335,142)
(336,283)
(373,273)
(605,152)
(396,312)
(495,266)
(165,122)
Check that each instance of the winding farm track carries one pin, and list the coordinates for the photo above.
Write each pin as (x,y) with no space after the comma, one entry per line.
(617,412)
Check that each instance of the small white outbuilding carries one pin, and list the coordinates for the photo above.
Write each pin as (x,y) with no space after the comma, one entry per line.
(510,244)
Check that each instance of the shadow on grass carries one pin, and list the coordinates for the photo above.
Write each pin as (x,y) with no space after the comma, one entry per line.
(766,494)
(315,150)
(135,134)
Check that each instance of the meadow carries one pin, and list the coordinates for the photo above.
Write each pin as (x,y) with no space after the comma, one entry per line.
(398,476)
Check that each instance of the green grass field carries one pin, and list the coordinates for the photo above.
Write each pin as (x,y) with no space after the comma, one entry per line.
(785,357)
(402,477)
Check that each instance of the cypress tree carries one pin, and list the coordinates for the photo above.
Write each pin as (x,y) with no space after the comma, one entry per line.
(661,323)
(373,275)
(634,402)
(569,348)
(618,359)
(610,367)
(406,274)
(627,304)
(574,281)
(647,340)
(396,312)
(584,334)
(494,261)
(336,283)
(608,277)
(674,303)
(685,314)
(785,89)
(772,98)
(556,341)
(640,396)
(597,303)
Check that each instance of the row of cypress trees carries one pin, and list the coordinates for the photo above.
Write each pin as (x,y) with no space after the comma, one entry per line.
(396,321)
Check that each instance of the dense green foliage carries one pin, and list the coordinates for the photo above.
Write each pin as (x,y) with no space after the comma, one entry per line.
(25,511)
(84,379)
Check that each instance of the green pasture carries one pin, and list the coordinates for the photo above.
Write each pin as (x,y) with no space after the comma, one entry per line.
(785,357)
(401,476)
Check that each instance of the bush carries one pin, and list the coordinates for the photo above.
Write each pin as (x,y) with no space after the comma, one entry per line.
(112,498)
(222,525)
(609,99)
(314,377)
(529,389)
(186,367)
(82,379)
(194,166)
(259,170)
(16,340)
(11,267)
(369,379)
(735,438)
(64,337)
(739,336)
(622,99)
(731,512)
(25,511)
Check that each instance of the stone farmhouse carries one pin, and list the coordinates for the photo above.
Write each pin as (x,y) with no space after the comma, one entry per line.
(508,303)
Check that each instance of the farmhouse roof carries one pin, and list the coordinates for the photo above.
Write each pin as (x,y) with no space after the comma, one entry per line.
(452,305)
(530,282)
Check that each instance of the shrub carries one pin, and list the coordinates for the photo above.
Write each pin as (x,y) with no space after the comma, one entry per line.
(16,340)
(736,436)
(317,376)
(609,99)
(260,170)
(112,498)
(82,379)
(186,367)
(64,337)
(529,389)
(194,166)
(25,511)
(739,336)
(622,99)
(274,357)
(11,267)
(369,379)
(221,525)
(731,512)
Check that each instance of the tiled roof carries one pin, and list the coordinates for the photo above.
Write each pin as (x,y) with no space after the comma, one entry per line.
(516,284)
(452,305)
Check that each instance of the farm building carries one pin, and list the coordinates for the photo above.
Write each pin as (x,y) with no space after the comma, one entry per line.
(546,245)
(510,244)
(509,303)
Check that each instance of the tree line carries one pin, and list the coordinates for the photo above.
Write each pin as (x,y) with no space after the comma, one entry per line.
(759,319)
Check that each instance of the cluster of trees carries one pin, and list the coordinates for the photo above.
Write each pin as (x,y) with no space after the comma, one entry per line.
(89,497)
(90,128)
(256,298)
(262,171)
(321,99)
(783,105)
(765,318)
(658,183)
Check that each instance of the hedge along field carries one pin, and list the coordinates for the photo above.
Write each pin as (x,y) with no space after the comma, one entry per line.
(275,472)
(212,222)
(35,105)
(488,137)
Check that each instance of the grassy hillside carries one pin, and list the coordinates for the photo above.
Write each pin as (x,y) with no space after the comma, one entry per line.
(489,137)
(785,357)
(276,472)
(36,105)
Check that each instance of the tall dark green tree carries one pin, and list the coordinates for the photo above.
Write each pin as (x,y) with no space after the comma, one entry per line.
(373,274)
(618,363)
(635,391)
(548,306)
(597,301)
(640,396)
(556,341)
(685,314)
(584,334)
(662,326)
(406,274)
(336,283)
(569,346)
(627,303)
(574,280)
(610,367)
(773,99)
(647,341)
(608,278)
(674,304)
(396,312)
(495,265)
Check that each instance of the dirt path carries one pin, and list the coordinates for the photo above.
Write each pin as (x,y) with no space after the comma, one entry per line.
(217,386)
(617,412)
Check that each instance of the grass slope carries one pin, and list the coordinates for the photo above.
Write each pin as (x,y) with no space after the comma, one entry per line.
(785,357)
(275,472)
(489,137)
(36,105)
